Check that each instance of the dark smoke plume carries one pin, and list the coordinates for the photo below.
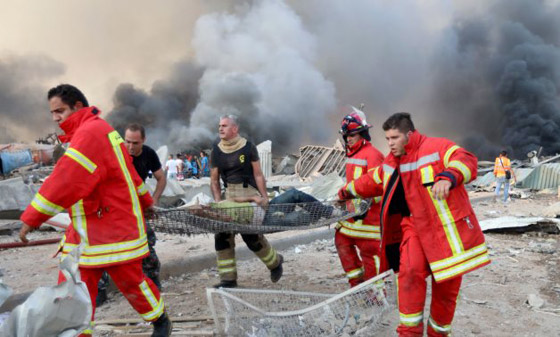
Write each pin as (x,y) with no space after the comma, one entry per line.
(499,74)
(24,112)
(265,74)
(169,103)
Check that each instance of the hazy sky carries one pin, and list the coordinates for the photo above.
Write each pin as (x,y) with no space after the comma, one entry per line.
(445,61)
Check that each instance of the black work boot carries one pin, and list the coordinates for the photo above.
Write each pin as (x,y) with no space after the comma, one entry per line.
(276,273)
(226,284)
(162,327)
(101,298)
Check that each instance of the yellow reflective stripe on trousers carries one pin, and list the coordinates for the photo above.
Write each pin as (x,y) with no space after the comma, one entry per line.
(355,273)
(455,259)
(86,260)
(88,330)
(227,262)
(142,189)
(116,140)
(377,262)
(463,168)
(270,258)
(448,154)
(222,270)
(117,247)
(42,205)
(157,306)
(411,319)
(79,220)
(79,158)
(448,223)
(461,268)
(444,329)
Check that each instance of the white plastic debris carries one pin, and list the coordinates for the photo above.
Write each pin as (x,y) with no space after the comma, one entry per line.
(63,310)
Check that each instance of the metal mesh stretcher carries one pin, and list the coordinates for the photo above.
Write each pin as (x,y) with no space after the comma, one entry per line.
(255,219)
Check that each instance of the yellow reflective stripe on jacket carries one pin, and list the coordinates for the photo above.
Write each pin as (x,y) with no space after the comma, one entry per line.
(142,189)
(427,174)
(448,223)
(461,268)
(157,306)
(116,140)
(443,329)
(411,319)
(117,247)
(350,188)
(79,158)
(86,260)
(465,171)
(355,273)
(358,172)
(359,225)
(360,234)
(459,258)
(448,154)
(79,220)
(42,205)
(377,200)
(376,176)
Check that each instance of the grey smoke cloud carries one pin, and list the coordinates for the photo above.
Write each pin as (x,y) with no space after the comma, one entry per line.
(499,74)
(484,73)
(23,96)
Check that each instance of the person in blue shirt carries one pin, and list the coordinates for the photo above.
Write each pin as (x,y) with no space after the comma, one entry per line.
(204,167)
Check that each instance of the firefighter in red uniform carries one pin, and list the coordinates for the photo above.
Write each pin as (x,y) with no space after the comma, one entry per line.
(96,181)
(360,234)
(422,182)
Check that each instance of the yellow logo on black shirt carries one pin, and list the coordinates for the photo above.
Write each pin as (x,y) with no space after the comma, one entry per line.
(242,158)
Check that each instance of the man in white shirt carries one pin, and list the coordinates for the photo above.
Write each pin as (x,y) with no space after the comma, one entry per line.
(171,168)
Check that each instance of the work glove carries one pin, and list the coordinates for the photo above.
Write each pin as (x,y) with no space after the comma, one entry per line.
(343,194)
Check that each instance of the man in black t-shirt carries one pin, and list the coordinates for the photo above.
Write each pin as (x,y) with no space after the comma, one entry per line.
(236,161)
(145,160)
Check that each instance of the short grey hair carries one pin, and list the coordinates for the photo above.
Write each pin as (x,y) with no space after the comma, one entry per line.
(233,118)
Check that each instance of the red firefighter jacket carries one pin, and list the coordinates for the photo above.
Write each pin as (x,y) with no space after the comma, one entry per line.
(96,181)
(448,229)
(357,164)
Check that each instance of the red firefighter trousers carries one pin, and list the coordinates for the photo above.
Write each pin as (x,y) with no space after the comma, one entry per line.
(138,289)
(413,271)
(360,267)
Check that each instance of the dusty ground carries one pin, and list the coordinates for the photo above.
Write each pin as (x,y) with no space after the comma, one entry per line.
(493,300)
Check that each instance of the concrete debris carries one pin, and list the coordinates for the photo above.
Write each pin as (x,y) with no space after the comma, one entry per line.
(199,199)
(5,293)
(325,187)
(63,310)
(15,195)
(265,156)
(510,224)
(534,301)
(320,159)
(542,247)
(286,165)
